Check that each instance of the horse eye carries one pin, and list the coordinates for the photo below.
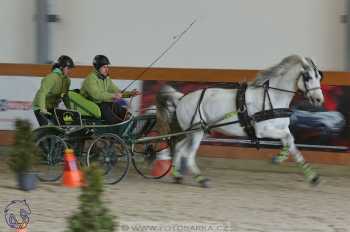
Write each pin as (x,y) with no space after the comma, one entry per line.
(321,74)
(306,76)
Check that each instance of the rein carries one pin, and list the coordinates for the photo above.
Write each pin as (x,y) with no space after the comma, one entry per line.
(304,76)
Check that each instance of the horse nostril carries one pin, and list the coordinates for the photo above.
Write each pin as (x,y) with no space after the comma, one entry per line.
(316,100)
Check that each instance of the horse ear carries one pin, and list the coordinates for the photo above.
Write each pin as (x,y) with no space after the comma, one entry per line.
(305,62)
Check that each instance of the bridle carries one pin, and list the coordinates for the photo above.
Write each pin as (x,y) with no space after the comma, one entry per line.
(305,75)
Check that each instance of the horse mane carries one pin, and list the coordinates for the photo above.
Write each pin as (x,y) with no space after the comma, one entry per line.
(277,70)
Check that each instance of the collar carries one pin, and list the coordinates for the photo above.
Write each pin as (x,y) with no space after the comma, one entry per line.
(58,71)
(99,75)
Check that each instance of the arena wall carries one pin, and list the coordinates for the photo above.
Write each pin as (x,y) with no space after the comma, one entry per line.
(200,75)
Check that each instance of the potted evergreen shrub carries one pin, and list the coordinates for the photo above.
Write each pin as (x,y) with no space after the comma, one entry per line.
(22,155)
(92,216)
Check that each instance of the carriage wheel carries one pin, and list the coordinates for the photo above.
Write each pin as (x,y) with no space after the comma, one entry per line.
(110,153)
(49,164)
(146,158)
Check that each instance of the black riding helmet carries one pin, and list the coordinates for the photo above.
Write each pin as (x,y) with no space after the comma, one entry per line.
(65,61)
(62,62)
(99,61)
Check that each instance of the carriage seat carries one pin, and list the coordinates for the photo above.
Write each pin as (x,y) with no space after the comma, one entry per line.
(88,109)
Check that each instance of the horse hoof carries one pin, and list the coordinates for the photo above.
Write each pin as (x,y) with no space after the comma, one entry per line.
(178,180)
(204,183)
(183,166)
(277,160)
(274,160)
(315,180)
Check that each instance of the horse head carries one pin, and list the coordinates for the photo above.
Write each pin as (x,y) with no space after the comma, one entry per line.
(309,82)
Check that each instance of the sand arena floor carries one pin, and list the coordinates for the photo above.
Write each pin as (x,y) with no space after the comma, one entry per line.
(244,196)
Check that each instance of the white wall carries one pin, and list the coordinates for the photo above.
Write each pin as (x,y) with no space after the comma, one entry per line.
(227,34)
(17,31)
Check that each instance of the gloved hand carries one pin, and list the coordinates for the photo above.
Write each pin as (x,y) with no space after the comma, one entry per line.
(45,113)
(135,92)
(121,102)
(117,95)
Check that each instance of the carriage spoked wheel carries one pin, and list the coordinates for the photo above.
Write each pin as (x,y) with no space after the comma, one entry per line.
(49,164)
(112,155)
(152,159)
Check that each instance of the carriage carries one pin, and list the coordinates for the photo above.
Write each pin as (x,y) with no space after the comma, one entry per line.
(111,147)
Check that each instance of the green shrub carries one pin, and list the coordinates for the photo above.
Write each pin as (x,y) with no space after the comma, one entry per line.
(93,216)
(24,151)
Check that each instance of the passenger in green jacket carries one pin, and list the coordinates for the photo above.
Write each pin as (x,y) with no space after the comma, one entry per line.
(52,89)
(99,88)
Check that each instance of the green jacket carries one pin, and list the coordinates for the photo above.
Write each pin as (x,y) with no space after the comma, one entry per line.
(52,88)
(99,90)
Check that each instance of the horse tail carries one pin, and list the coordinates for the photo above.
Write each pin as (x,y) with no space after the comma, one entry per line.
(166,101)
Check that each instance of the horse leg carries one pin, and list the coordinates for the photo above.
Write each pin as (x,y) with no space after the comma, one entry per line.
(193,145)
(288,140)
(310,175)
(178,169)
(277,134)
(282,155)
(184,158)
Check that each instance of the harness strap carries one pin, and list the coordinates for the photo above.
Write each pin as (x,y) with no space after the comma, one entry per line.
(271,114)
(244,119)
(202,122)
(283,90)
(266,93)
(199,108)
(222,124)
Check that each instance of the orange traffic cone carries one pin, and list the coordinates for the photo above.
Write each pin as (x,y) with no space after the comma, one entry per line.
(162,163)
(72,176)
(163,159)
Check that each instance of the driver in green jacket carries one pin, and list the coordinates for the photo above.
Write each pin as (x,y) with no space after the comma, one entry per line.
(52,89)
(99,88)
